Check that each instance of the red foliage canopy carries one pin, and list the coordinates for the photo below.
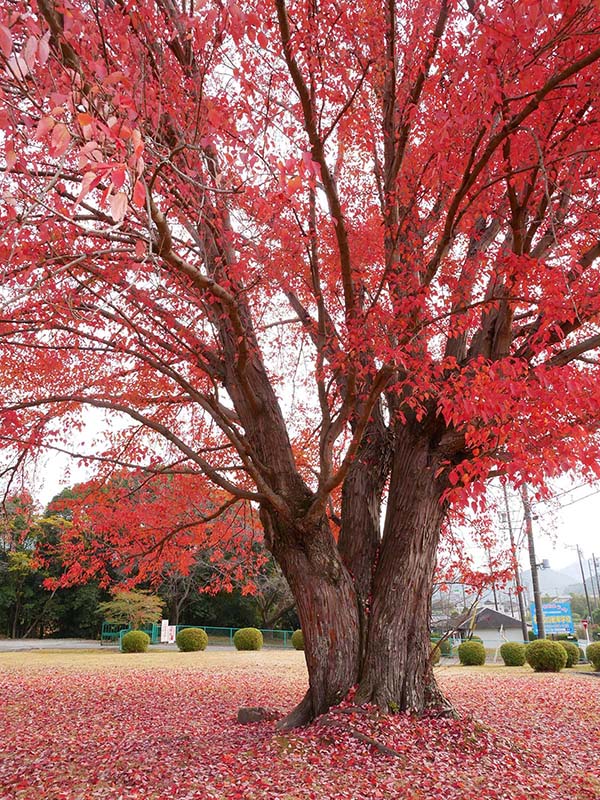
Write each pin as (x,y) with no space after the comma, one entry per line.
(166,169)
(296,244)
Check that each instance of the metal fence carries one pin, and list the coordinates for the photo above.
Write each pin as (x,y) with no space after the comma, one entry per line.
(112,634)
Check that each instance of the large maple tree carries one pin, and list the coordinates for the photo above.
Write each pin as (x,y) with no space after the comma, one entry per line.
(317,254)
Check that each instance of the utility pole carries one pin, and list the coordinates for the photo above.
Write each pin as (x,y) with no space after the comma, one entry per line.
(537,599)
(587,597)
(512,611)
(489,555)
(596,571)
(513,550)
(592,583)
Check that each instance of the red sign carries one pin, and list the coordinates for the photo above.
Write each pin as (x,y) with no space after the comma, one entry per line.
(584,622)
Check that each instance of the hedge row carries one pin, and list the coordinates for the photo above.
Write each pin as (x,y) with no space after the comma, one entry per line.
(543,655)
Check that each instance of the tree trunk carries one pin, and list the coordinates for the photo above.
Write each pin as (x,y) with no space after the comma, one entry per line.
(15,622)
(397,673)
(40,617)
(364,604)
(327,608)
(276,615)
(360,530)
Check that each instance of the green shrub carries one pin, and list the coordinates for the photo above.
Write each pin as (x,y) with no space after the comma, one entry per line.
(190,640)
(436,654)
(513,654)
(531,636)
(135,642)
(546,656)
(593,655)
(248,639)
(445,646)
(572,651)
(471,654)
(298,640)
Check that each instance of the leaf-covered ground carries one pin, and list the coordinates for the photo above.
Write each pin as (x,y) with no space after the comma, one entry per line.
(169,733)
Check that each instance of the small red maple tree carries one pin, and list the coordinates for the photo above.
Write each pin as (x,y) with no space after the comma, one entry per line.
(307,250)
(133,528)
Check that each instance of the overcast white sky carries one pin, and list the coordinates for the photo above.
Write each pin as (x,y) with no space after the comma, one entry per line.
(577,522)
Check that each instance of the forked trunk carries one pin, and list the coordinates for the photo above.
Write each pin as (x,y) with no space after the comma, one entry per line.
(397,673)
(328,611)
(360,530)
(380,642)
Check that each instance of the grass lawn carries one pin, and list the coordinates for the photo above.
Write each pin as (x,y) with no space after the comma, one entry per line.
(85,725)
(110,659)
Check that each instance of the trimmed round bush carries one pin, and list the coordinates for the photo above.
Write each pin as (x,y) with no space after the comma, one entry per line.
(446,647)
(190,640)
(248,639)
(513,654)
(471,654)
(572,651)
(593,654)
(135,642)
(546,656)
(298,640)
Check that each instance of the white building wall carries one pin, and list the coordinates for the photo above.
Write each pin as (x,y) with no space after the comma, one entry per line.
(493,638)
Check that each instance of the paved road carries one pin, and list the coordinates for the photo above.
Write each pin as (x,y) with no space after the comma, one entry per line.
(7,645)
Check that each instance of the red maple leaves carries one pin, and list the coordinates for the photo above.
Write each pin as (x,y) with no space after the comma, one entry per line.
(158,734)
(132,528)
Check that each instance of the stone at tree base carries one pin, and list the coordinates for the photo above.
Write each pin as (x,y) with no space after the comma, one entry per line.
(247,715)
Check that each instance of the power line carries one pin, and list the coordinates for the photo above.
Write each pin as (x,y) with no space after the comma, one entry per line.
(578,500)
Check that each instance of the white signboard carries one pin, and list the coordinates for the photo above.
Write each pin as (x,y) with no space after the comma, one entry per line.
(164,630)
(171,634)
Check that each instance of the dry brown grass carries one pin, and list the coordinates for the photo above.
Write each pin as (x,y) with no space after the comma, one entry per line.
(280,661)
(513,672)
(288,663)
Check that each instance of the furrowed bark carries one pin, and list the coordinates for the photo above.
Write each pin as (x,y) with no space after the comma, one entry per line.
(327,608)
(397,672)
(360,530)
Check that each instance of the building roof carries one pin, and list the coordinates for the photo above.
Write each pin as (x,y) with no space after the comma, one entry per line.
(490,618)
(484,618)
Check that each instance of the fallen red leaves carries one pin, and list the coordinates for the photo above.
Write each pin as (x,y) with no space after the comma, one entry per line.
(171,735)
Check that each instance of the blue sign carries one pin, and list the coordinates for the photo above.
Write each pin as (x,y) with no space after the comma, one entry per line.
(557,618)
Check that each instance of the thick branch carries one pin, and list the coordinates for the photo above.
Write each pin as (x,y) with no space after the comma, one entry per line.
(573,352)
(318,154)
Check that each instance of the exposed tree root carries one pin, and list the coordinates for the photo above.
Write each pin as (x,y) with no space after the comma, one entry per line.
(301,715)
(438,704)
(331,722)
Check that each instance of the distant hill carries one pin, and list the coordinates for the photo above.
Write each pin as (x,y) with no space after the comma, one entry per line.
(557,581)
